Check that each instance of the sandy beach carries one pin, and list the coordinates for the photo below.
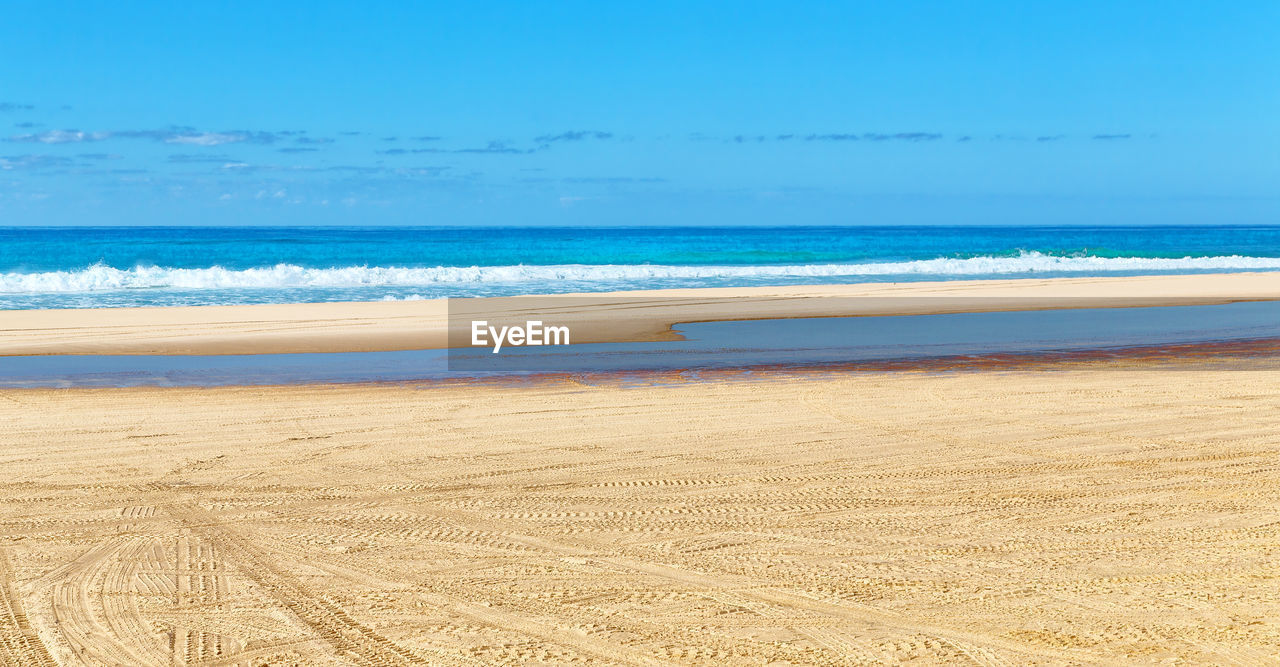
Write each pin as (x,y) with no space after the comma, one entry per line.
(1076,511)
(595,318)
(1088,515)
(766,334)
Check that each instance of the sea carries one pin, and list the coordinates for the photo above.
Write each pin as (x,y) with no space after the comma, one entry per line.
(104,267)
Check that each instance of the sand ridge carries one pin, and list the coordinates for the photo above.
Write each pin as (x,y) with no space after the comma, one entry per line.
(595,318)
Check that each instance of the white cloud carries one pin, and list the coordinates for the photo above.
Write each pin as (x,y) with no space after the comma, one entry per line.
(206,138)
(60,137)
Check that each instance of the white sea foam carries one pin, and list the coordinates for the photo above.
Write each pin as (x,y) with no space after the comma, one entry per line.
(102,278)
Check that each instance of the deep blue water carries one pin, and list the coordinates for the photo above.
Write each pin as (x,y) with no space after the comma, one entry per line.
(104,267)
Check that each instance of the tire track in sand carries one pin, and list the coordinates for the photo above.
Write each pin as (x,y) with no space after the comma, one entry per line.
(19,643)
(347,636)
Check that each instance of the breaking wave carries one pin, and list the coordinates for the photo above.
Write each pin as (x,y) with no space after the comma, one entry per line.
(102,278)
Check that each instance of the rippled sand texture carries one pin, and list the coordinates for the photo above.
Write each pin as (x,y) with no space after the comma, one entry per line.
(1072,516)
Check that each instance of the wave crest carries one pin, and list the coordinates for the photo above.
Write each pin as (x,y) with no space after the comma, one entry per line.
(103,278)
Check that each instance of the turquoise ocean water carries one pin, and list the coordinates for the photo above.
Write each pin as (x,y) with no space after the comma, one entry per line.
(87,267)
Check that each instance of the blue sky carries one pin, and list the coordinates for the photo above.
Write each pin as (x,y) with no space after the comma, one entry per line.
(573,113)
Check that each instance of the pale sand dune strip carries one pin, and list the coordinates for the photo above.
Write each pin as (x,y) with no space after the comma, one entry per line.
(608,317)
